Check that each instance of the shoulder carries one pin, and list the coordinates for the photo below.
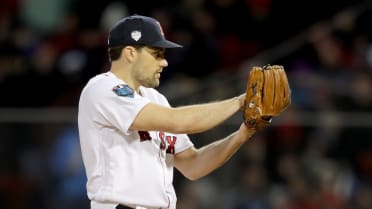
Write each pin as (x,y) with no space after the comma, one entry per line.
(101,85)
(99,80)
(151,91)
(154,95)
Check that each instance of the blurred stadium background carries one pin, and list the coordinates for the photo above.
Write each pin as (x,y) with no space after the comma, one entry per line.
(317,155)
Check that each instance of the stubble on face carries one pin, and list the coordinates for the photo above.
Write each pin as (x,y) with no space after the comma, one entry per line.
(148,80)
(146,75)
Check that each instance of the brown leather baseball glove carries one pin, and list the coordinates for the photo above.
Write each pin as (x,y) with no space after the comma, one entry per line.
(268,95)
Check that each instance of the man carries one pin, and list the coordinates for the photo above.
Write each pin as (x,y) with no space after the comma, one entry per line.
(131,138)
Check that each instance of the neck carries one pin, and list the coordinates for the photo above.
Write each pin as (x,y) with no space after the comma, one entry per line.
(124,73)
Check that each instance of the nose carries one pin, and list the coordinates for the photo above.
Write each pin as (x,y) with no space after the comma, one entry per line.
(164,63)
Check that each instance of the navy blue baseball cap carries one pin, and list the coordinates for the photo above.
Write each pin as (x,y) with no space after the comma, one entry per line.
(139,30)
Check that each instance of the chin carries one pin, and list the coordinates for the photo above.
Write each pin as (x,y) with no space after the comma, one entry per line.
(152,85)
(156,83)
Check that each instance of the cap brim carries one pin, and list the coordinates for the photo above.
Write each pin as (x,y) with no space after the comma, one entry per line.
(166,44)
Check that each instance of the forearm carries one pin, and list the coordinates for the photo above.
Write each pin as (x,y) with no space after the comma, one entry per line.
(210,157)
(199,118)
(187,119)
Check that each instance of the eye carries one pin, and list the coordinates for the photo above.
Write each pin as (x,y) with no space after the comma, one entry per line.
(158,53)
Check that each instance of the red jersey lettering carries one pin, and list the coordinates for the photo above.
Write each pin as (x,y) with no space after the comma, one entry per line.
(144,135)
(162,142)
(167,139)
(171,141)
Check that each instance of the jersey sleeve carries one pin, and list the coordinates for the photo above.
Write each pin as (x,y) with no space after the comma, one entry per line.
(121,111)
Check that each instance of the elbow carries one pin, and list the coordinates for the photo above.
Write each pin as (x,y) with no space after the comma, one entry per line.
(196,174)
(193,176)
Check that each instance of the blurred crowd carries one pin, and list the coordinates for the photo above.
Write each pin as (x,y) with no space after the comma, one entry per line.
(49,50)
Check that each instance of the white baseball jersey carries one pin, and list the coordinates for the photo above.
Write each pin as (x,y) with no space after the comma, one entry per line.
(124,166)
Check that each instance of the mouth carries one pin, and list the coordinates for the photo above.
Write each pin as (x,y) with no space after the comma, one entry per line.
(157,75)
(159,72)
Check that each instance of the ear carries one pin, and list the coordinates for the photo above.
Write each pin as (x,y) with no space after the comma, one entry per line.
(129,52)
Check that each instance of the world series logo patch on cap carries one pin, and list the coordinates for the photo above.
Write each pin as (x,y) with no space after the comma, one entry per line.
(136,35)
(124,90)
